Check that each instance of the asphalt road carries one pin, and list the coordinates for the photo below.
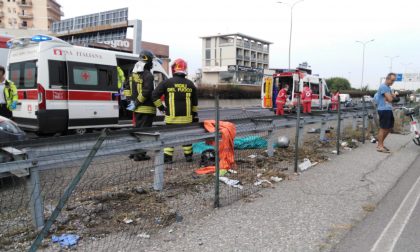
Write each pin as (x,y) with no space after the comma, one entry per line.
(394,225)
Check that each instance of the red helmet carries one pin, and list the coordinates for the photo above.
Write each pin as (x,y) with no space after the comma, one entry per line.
(179,67)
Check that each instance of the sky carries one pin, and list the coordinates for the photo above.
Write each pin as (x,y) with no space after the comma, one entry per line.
(324,31)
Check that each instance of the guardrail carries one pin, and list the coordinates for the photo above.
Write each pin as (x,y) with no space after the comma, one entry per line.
(60,153)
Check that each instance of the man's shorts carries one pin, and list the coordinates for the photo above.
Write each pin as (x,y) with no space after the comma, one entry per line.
(386,119)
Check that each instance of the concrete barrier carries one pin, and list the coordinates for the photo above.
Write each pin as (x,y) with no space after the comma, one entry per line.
(229,103)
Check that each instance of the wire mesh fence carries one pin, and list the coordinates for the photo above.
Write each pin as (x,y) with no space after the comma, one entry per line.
(115,206)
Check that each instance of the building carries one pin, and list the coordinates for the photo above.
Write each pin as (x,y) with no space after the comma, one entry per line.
(234,58)
(107,30)
(27,14)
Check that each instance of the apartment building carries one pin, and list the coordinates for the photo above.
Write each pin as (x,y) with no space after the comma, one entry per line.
(27,14)
(234,58)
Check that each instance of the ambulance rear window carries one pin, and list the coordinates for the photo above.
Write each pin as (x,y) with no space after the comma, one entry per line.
(24,74)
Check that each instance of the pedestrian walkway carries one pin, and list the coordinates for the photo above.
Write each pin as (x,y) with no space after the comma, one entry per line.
(311,212)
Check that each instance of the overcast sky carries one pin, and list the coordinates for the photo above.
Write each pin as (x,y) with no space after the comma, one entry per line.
(324,31)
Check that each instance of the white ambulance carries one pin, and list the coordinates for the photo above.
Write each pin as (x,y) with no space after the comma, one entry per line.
(63,87)
(295,79)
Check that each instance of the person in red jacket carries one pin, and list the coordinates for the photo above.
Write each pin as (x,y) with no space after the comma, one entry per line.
(334,100)
(281,100)
(306,98)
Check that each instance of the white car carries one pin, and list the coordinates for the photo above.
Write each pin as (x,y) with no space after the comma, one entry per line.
(368,98)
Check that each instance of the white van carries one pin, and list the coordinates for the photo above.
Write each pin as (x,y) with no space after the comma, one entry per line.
(63,87)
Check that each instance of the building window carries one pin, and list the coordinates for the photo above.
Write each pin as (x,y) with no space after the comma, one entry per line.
(208,43)
(208,54)
(24,23)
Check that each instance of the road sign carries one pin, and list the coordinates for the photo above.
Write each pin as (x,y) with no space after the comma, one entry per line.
(399,77)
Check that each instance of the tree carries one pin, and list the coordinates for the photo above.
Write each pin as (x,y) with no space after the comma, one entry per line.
(338,83)
(418,90)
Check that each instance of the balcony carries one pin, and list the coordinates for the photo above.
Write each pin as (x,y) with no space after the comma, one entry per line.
(246,57)
(24,4)
(239,56)
(22,26)
(26,16)
(247,44)
(55,10)
(239,43)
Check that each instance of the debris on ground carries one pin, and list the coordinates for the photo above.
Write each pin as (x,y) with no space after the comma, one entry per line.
(275,179)
(261,182)
(231,182)
(306,164)
(65,240)
(143,235)
(127,221)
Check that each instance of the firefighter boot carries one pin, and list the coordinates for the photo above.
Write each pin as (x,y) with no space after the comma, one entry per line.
(167,159)
(189,158)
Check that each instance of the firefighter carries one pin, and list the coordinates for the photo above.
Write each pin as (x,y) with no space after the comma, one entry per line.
(180,103)
(334,100)
(281,100)
(306,97)
(141,95)
(8,95)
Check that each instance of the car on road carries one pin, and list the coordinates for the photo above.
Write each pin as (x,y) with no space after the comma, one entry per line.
(368,98)
(346,100)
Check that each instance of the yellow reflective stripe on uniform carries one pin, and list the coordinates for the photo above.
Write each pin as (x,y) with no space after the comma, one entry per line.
(188,102)
(171,104)
(146,110)
(194,109)
(158,103)
(169,151)
(178,119)
(187,149)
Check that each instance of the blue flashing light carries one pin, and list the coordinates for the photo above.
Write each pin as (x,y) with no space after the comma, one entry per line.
(9,44)
(40,38)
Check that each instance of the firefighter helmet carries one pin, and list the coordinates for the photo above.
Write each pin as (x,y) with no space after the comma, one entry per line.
(179,67)
(146,56)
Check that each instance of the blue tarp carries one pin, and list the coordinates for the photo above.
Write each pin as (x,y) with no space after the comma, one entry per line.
(240,143)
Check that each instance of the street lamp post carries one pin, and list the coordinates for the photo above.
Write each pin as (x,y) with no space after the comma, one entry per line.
(405,73)
(364,43)
(391,59)
(291,25)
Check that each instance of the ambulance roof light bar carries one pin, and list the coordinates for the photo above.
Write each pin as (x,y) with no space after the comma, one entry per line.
(20,42)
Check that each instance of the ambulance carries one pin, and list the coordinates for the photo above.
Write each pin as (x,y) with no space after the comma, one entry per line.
(62,87)
(321,97)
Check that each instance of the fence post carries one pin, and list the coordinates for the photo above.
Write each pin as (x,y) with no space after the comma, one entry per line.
(323,130)
(67,193)
(159,169)
(36,205)
(354,122)
(217,164)
(270,142)
(338,126)
(297,133)
(302,131)
(364,121)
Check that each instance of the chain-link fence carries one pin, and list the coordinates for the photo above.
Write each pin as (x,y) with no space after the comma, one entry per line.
(119,202)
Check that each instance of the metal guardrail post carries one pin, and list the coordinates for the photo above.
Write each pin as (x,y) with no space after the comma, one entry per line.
(338,126)
(364,121)
(297,133)
(217,157)
(301,131)
(68,192)
(270,143)
(322,130)
(159,170)
(354,122)
(36,205)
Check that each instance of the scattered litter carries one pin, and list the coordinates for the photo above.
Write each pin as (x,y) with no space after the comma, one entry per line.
(347,148)
(127,221)
(140,190)
(283,142)
(231,182)
(233,171)
(143,235)
(259,175)
(252,156)
(344,144)
(66,240)
(223,172)
(354,141)
(261,181)
(275,179)
(171,231)
(373,139)
(306,164)
(314,131)
(334,152)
